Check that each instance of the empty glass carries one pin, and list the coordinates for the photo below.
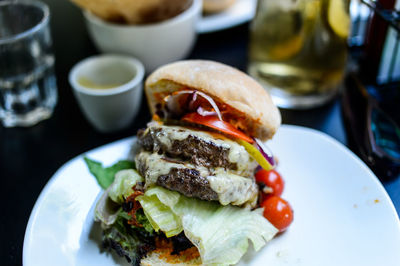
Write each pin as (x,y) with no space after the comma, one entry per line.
(28,91)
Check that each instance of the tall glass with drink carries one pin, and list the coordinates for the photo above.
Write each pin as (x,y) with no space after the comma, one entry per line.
(28,91)
(298,49)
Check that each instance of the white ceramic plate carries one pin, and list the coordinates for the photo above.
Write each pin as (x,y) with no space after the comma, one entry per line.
(342,214)
(241,12)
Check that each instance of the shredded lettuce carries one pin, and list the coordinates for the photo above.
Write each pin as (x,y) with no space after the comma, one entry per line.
(221,233)
(105,175)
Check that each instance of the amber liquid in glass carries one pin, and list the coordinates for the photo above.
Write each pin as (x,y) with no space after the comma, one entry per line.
(298,49)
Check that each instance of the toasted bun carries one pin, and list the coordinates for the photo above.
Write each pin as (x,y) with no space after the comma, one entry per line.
(162,255)
(214,6)
(224,84)
(158,258)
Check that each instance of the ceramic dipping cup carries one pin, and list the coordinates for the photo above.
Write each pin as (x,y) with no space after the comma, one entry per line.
(108,89)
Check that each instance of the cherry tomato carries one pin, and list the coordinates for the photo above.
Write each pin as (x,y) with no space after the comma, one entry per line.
(278,212)
(214,122)
(271,179)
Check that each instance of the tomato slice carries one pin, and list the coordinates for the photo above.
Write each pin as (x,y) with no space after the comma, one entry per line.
(212,121)
(278,212)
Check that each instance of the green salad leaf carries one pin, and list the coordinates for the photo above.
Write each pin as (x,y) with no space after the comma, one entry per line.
(221,233)
(105,175)
(141,218)
(127,240)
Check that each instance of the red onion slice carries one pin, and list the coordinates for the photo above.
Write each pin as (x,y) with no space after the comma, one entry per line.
(203,112)
(172,102)
(265,151)
(172,99)
(192,101)
(183,92)
(175,95)
(213,104)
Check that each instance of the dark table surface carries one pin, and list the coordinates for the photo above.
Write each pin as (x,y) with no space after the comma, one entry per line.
(30,156)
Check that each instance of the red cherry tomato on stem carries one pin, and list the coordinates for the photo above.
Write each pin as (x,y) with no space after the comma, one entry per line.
(271,179)
(278,212)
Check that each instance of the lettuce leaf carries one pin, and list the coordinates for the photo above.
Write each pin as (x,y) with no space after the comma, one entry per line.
(108,206)
(122,186)
(159,211)
(106,210)
(105,175)
(221,233)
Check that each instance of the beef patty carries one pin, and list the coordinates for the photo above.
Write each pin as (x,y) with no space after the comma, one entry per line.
(189,182)
(196,181)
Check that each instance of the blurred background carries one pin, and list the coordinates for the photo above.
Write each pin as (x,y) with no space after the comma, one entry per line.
(364,113)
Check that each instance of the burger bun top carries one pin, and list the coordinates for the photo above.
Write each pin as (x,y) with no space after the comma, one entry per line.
(246,98)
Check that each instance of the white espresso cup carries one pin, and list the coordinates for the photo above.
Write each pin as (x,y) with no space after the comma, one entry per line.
(108,89)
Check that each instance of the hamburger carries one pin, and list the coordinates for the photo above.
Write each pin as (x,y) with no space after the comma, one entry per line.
(192,197)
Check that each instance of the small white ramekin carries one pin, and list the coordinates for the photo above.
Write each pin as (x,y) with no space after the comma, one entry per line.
(114,108)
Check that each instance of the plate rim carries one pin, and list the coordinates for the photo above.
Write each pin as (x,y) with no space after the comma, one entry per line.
(33,214)
(360,162)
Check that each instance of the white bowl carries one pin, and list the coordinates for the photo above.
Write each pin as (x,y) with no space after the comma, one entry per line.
(108,109)
(153,44)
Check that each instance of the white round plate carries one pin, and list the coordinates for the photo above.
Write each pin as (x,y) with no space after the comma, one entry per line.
(342,213)
(241,12)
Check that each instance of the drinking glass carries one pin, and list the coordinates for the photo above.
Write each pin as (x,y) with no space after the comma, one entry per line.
(28,92)
(298,49)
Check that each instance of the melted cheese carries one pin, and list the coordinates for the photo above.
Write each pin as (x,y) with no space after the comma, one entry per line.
(236,152)
(233,189)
